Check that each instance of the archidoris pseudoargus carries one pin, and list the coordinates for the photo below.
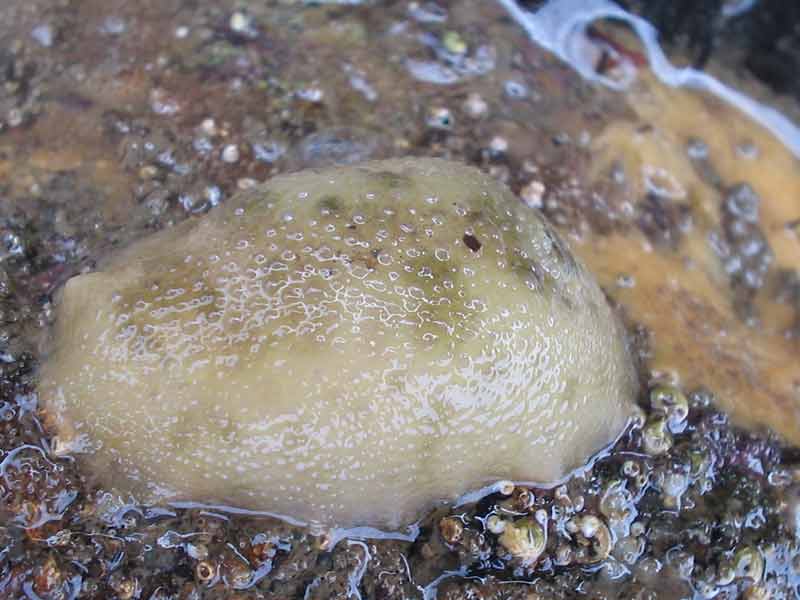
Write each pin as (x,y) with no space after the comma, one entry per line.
(345,346)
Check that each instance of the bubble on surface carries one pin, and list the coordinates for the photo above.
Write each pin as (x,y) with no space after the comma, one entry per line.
(351,365)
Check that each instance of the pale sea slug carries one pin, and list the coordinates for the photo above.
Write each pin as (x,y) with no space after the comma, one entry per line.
(345,346)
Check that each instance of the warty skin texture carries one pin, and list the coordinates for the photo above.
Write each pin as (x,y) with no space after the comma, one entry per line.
(345,346)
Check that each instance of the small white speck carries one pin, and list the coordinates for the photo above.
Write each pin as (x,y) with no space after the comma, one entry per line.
(312,94)
(44,35)
(498,145)
(230,153)
(113,25)
(239,22)
(209,127)
(533,194)
(475,106)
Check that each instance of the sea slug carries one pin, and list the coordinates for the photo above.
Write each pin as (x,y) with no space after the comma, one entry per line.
(346,346)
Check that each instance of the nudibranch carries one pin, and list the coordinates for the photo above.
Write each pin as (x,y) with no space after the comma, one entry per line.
(346,346)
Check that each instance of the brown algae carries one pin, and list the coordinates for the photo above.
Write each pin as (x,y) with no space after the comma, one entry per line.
(345,346)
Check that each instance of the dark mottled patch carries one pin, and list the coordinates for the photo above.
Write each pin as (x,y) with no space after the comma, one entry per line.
(441,304)
(330,203)
(528,269)
(563,254)
(369,260)
(472,242)
(663,221)
(391,179)
(261,202)
(487,203)
(745,252)
(474,216)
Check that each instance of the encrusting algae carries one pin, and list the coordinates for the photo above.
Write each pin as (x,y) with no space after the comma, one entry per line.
(344,346)
(706,287)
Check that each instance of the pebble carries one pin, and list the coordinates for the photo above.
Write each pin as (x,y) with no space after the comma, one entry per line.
(454,43)
(432,72)
(475,106)
(428,12)
(113,25)
(162,104)
(230,153)
(15,117)
(498,145)
(515,89)
(43,34)
(148,172)
(268,151)
(562,138)
(239,22)
(440,118)
(359,83)
(533,194)
(209,127)
(202,145)
(312,94)
(495,524)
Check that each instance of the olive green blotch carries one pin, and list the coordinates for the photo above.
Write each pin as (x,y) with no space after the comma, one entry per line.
(347,346)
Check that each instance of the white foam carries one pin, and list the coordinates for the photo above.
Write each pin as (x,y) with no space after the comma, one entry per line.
(225,509)
(337,534)
(354,580)
(559,24)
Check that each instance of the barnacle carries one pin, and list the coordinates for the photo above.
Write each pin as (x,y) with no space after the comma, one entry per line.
(748,562)
(451,528)
(524,539)
(656,438)
(594,541)
(671,402)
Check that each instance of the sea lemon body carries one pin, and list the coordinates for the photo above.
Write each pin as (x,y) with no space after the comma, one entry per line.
(345,346)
